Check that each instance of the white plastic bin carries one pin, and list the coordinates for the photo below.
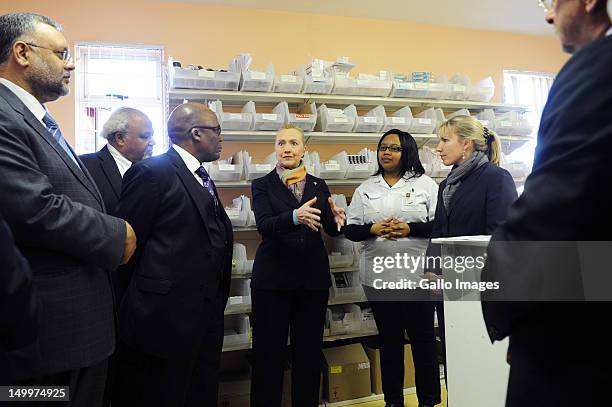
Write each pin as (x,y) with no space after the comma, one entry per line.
(420,90)
(483,91)
(512,124)
(401,120)
(330,170)
(361,87)
(460,87)
(239,295)
(340,252)
(267,121)
(368,323)
(460,112)
(306,119)
(257,81)
(236,330)
(239,211)
(371,122)
(253,170)
(358,166)
(336,120)
(224,171)
(288,84)
(182,78)
(232,121)
(239,259)
(427,121)
(344,319)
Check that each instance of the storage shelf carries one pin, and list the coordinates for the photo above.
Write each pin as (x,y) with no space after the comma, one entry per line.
(344,269)
(274,98)
(247,308)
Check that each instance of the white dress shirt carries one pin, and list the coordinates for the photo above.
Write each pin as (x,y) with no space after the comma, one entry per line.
(30,101)
(410,200)
(190,161)
(123,164)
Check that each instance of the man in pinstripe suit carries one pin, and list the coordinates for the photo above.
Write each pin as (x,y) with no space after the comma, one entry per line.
(56,213)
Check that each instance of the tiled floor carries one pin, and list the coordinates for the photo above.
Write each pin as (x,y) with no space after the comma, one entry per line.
(409,401)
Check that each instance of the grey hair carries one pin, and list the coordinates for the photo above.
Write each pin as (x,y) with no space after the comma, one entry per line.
(14,26)
(119,121)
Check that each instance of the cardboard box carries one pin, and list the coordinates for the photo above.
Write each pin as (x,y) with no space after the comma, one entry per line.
(235,392)
(347,373)
(374,357)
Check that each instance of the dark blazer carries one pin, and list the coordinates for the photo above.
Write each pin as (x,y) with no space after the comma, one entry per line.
(175,267)
(562,201)
(290,256)
(104,171)
(478,206)
(56,214)
(18,310)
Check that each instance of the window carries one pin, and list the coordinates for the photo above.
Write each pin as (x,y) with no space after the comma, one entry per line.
(531,89)
(111,76)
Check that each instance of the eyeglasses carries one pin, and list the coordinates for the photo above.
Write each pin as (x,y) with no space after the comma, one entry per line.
(547,5)
(216,129)
(393,149)
(64,55)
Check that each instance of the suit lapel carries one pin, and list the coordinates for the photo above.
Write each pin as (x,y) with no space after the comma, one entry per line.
(110,169)
(80,173)
(281,190)
(194,189)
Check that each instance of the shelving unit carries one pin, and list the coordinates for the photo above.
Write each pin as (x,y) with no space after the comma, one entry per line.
(295,101)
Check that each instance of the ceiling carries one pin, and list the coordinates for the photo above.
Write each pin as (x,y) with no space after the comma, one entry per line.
(519,16)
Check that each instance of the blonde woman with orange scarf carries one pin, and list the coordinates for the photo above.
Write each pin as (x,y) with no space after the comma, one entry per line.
(291,279)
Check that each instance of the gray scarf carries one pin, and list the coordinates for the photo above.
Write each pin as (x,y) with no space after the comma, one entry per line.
(461,171)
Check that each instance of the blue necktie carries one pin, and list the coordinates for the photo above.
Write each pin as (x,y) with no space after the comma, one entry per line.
(208,184)
(57,135)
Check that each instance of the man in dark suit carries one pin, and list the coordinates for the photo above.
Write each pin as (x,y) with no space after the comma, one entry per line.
(557,352)
(56,213)
(18,311)
(130,139)
(174,291)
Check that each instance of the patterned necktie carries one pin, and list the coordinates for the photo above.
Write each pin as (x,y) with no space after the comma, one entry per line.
(57,135)
(208,184)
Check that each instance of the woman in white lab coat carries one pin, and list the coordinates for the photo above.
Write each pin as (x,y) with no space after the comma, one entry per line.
(392,214)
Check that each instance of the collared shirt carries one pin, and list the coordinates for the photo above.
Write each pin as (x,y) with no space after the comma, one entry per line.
(37,109)
(410,200)
(123,164)
(190,161)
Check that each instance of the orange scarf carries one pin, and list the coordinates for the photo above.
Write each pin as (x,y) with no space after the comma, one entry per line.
(290,177)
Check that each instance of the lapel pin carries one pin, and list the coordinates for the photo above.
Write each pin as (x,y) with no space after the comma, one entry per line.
(407,194)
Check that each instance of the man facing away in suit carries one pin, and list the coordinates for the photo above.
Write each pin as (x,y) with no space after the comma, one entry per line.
(130,139)
(56,214)
(549,257)
(174,291)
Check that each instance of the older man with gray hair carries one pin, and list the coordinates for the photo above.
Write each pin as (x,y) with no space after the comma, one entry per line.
(130,139)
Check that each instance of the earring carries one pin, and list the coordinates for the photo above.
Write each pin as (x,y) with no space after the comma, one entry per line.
(463,155)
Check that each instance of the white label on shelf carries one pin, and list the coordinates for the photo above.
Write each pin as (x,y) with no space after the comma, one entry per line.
(235,116)
(361,167)
(459,88)
(420,86)
(202,73)
(363,365)
(336,254)
(288,78)
(300,116)
(506,124)
(263,167)
(364,82)
(332,166)
(258,75)
(340,120)
(269,116)
(405,85)
(370,119)
(484,122)
(232,212)
(398,120)
(227,167)
(425,121)
(236,300)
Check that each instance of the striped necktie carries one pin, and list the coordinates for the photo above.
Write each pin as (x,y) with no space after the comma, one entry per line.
(55,131)
(208,184)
